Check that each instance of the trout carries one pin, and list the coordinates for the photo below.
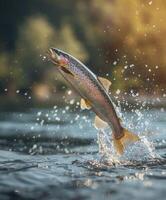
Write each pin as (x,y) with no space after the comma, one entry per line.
(93,91)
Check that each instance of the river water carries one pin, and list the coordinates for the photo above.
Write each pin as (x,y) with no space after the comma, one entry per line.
(54,154)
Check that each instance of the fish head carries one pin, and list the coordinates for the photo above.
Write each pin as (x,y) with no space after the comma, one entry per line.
(58,57)
(66,63)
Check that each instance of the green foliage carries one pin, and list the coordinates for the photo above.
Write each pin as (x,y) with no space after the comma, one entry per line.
(4,68)
(96,32)
(36,36)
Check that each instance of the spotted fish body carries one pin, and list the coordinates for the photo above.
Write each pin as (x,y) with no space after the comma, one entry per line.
(89,87)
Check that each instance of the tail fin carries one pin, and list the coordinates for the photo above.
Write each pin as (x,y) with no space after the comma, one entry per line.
(127,139)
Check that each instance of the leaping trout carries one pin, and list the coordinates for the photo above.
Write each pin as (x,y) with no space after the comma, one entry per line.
(94,95)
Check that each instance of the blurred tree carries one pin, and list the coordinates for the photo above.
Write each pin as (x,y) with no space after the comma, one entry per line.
(123,38)
(36,35)
(4,70)
(134,30)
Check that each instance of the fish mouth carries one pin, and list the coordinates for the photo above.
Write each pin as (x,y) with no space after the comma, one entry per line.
(53,56)
(57,58)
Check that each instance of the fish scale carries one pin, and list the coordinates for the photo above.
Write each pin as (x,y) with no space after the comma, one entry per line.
(94,94)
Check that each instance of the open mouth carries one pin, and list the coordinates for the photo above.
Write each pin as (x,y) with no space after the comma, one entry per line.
(59,60)
(53,56)
(56,57)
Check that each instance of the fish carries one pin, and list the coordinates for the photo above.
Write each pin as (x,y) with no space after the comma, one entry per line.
(94,93)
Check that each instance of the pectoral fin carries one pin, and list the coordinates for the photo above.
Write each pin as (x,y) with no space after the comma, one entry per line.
(99,123)
(85,104)
(105,82)
(66,71)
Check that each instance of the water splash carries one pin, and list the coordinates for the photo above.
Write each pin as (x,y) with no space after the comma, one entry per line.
(136,120)
(142,151)
(139,151)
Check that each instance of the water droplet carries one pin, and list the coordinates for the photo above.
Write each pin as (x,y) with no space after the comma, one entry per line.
(150,3)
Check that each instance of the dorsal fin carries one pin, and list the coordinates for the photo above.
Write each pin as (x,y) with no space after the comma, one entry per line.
(105,82)
(99,123)
(85,104)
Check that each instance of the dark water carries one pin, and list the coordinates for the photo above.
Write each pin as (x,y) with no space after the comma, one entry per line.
(53,154)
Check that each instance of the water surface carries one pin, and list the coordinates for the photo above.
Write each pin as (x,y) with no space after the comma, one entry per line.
(53,154)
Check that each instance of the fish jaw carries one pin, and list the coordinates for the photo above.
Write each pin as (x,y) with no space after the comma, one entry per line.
(57,58)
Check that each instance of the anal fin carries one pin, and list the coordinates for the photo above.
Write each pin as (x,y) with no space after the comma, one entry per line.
(99,123)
